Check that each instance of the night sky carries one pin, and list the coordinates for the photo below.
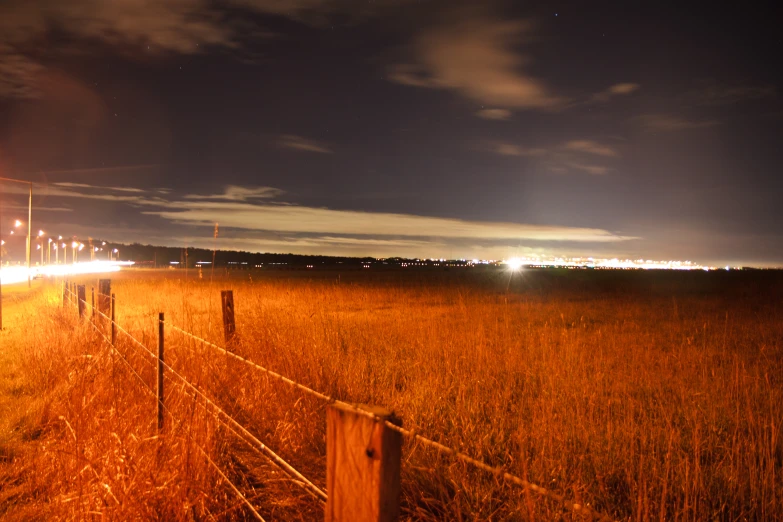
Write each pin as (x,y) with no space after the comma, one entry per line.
(478,129)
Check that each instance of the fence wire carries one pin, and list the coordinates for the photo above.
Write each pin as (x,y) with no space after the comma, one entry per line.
(411,434)
(270,454)
(497,471)
(223,476)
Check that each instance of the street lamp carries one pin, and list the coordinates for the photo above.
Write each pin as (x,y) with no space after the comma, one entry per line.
(74,245)
(49,252)
(115,251)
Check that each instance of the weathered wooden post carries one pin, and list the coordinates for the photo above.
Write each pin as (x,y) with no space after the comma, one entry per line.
(362,465)
(65,293)
(92,306)
(160,371)
(104,296)
(81,299)
(229,326)
(113,324)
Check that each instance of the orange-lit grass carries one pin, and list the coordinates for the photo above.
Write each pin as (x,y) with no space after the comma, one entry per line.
(653,400)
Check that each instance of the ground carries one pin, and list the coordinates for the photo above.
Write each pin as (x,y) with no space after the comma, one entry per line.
(645,395)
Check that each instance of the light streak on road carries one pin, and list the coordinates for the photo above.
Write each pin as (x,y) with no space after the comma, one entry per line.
(18,274)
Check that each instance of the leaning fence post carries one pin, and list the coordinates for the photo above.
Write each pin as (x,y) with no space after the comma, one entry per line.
(113,324)
(81,297)
(229,326)
(160,371)
(362,465)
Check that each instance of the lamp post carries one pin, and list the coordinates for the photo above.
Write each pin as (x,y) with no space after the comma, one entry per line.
(49,252)
(74,245)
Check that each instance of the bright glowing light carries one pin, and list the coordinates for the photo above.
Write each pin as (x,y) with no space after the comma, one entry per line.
(18,274)
(17,223)
(40,233)
(74,244)
(514,263)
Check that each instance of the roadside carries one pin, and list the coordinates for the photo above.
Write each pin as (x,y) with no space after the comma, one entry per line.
(22,411)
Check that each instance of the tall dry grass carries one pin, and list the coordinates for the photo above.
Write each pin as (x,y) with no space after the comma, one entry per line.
(650,397)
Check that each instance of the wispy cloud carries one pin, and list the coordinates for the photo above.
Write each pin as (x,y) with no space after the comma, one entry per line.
(494,114)
(510,149)
(37,208)
(301,219)
(246,211)
(618,89)
(291,141)
(237,193)
(571,156)
(597,170)
(476,58)
(92,192)
(669,122)
(114,169)
(718,94)
(98,187)
(590,147)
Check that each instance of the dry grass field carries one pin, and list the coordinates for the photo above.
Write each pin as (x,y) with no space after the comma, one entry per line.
(648,396)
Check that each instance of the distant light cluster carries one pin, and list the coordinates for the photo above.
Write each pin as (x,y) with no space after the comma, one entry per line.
(516,263)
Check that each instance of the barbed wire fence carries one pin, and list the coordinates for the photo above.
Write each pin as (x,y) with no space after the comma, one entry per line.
(344,421)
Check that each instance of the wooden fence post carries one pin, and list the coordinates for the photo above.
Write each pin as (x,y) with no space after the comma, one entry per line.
(81,299)
(92,306)
(160,371)
(113,324)
(362,466)
(229,326)
(104,293)
(65,293)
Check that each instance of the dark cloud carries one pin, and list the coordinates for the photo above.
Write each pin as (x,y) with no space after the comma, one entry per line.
(477,58)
